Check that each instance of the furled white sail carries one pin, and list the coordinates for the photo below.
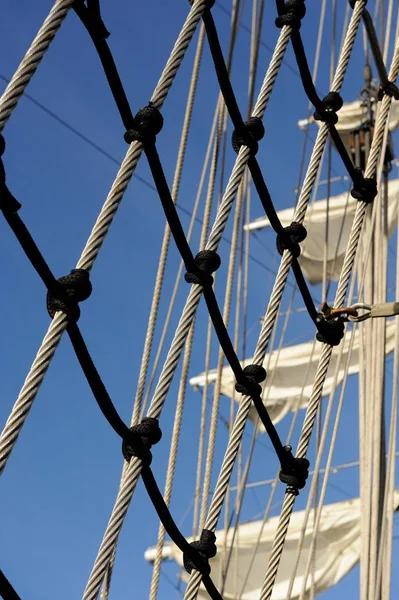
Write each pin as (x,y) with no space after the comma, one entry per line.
(337,552)
(291,373)
(353,115)
(340,217)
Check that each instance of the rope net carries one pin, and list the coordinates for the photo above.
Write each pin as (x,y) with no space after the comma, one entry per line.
(202,272)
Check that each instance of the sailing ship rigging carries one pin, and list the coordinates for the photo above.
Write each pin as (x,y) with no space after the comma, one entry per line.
(250,404)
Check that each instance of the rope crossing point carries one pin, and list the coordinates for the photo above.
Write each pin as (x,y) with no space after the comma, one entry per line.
(65,293)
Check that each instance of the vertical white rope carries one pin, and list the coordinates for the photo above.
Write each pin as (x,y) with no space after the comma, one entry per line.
(385,553)
(327,349)
(275,300)
(58,325)
(32,59)
(166,237)
(319,508)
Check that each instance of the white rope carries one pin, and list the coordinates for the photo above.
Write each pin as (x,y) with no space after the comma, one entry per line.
(133,472)
(57,327)
(212,142)
(159,278)
(385,554)
(218,383)
(275,300)
(167,233)
(318,512)
(327,349)
(32,59)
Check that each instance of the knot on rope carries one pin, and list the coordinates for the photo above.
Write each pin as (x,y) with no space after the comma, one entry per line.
(289,239)
(8,204)
(69,291)
(388,89)
(293,13)
(144,435)
(329,332)
(294,472)
(332,104)
(206,262)
(249,135)
(147,124)
(253,376)
(365,189)
(204,549)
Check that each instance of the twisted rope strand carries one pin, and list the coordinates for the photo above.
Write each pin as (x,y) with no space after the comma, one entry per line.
(32,59)
(51,340)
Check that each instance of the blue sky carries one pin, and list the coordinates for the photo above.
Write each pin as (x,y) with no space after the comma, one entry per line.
(60,483)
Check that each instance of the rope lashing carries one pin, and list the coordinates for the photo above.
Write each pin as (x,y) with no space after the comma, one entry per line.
(294,11)
(332,104)
(205,548)
(249,135)
(206,262)
(144,435)
(254,375)
(290,237)
(294,473)
(364,188)
(388,89)
(329,331)
(71,289)
(148,122)
(8,204)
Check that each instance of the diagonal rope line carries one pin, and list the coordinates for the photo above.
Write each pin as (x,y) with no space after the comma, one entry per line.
(275,300)
(311,412)
(53,336)
(133,472)
(32,59)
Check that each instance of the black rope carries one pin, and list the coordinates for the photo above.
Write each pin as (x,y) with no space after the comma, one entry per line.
(144,127)
(64,295)
(386,86)
(7,592)
(249,133)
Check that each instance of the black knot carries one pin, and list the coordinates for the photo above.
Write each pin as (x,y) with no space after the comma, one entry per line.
(69,291)
(294,472)
(2,144)
(147,124)
(388,89)
(289,239)
(293,13)
(202,550)
(365,189)
(249,135)
(332,104)
(253,375)
(331,331)
(206,262)
(144,435)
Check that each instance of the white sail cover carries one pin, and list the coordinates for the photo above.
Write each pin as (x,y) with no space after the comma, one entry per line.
(337,552)
(340,217)
(353,115)
(291,373)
